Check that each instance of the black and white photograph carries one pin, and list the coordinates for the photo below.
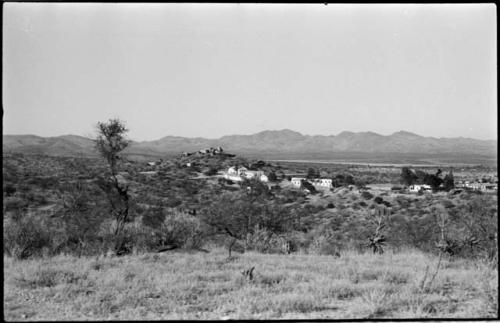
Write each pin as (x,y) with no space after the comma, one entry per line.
(249,161)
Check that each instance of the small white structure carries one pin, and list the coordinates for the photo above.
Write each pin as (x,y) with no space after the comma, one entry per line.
(297,181)
(239,174)
(323,183)
(233,174)
(264,178)
(417,187)
(318,183)
(242,171)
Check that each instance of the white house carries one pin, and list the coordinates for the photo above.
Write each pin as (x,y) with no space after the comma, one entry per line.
(318,183)
(417,187)
(323,183)
(249,174)
(243,173)
(297,181)
(263,178)
(233,174)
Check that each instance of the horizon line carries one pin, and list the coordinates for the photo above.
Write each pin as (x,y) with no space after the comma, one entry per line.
(269,130)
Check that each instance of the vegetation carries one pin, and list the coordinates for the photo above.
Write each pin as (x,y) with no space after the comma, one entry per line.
(110,143)
(70,212)
(198,285)
(78,209)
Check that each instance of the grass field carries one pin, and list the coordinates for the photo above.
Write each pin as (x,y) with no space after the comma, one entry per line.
(182,285)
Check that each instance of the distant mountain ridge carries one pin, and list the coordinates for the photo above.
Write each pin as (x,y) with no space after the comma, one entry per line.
(272,141)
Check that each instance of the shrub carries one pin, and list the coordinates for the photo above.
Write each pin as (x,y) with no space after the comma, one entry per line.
(322,245)
(25,237)
(183,230)
(9,189)
(210,171)
(366,195)
(386,203)
(14,203)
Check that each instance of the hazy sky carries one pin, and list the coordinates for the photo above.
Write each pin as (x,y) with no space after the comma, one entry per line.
(217,69)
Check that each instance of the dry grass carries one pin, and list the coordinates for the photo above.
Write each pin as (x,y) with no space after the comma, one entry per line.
(210,286)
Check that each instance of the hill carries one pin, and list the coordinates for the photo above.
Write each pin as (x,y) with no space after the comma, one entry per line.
(269,142)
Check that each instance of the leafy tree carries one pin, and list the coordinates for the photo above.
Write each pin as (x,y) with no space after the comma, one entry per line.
(272,176)
(448,181)
(422,177)
(236,215)
(256,190)
(312,173)
(229,215)
(110,143)
(434,181)
(408,177)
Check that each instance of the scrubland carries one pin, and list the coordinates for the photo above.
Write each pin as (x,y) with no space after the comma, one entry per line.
(65,259)
(195,285)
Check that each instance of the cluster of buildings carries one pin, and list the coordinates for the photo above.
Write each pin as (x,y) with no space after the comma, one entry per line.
(241,173)
(483,187)
(324,183)
(415,188)
(155,163)
(210,152)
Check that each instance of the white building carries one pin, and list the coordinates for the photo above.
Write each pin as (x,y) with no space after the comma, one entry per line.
(239,174)
(297,181)
(417,187)
(233,174)
(318,183)
(323,183)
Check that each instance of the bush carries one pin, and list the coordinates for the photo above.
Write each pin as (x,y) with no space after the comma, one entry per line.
(211,171)
(25,237)
(9,189)
(183,230)
(322,245)
(14,204)
(366,195)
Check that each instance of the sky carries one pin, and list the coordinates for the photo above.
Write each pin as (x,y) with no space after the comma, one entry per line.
(209,70)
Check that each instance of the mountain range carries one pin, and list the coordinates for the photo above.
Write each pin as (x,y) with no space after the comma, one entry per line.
(270,141)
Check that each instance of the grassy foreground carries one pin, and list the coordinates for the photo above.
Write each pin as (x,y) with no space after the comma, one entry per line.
(209,286)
